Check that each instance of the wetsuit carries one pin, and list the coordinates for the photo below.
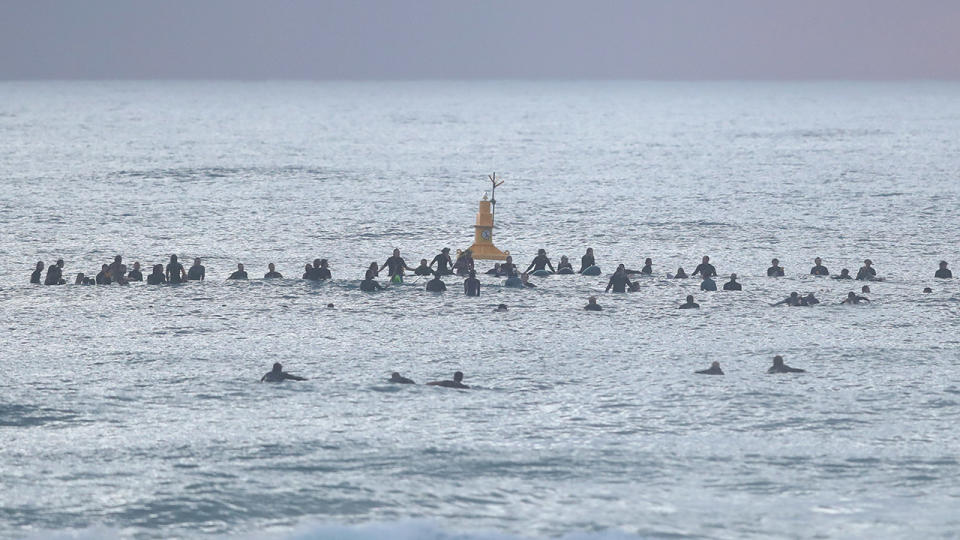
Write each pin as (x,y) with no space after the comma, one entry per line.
(712,370)
(436,285)
(471,287)
(647,270)
(593,307)
(540,262)
(463,266)
(819,270)
(618,282)
(175,270)
(135,275)
(239,274)
(395,265)
(35,276)
(495,271)
(448,384)
(369,285)
(444,264)
(197,273)
(775,271)
(564,267)
(866,273)
(322,273)
(691,305)
(508,269)
(783,368)
(103,278)
(708,285)
(809,301)
(732,286)
(273,275)
(273,376)
(424,271)
(680,275)
(53,276)
(943,273)
(400,379)
(843,276)
(156,279)
(586,262)
(705,270)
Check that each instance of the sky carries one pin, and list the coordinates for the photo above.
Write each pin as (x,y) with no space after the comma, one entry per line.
(480,39)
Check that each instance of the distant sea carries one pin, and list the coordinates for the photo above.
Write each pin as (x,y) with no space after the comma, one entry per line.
(137,412)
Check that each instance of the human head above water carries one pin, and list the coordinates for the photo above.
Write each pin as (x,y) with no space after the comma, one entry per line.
(458,376)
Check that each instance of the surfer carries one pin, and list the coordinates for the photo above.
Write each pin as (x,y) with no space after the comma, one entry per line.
(175,271)
(135,274)
(732,285)
(37,273)
(471,285)
(443,262)
(844,274)
(647,269)
(464,263)
(308,273)
(495,271)
(541,262)
(500,308)
(809,300)
(592,304)
(705,269)
(564,266)
(525,280)
(424,269)
(865,289)
(395,266)
(779,367)
(455,383)
(397,378)
(321,268)
(942,273)
(272,272)
(586,261)
(619,281)
(690,303)
(103,277)
(792,300)
(852,299)
(714,369)
(55,274)
(240,273)
(775,269)
(867,272)
(436,284)
(197,272)
(157,276)
(819,269)
(369,284)
(278,375)
(680,274)
(507,268)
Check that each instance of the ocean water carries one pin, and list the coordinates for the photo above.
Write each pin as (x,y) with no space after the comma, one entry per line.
(136,411)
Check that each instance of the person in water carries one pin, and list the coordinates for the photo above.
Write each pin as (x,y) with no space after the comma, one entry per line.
(525,280)
(175,271)
(680,274)
(927,290)
(37,273)
(507,268)
(852,298)
(705,269)
(471,285)
(424,269)
(844,274)
(117,269)
(708,284)
(55,274)
(564,266)
(157,276)
(867,272)
(457,382)
(586,261)
(647,269)
(819,269)
(942,273)
(397,378)
(135,274)
(500,308)
(809,300)
(80,279)
(240,273)
(272,272)
(103,277)
(690,303)
(775,269)
(779,367)
(619,281)
(792,300)
(278,375)
(436,284)
(732,285)
(464,263)
(369,284)
(865,289)
(395,266)
(308,273)
(495,271)
(541,262)
(321,269)
(197,272)
(714,369)
(592,304)
(443,261)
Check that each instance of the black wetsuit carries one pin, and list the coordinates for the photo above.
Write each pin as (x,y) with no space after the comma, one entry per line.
(680,275)
(444,264)
(448,384)
(783,368)
(732,286)
(564,266)
(273,275)
(540,262)
(54,275)
(239,274)
(436,285)
(395,265)
(593,307)
(35,276)
(103,278)
(196,273)
(176,272)
(273,376)
(775,271)
(369,285)
(866,273)
(322,273)
(586,262)
(156,279)
(508,269)
(691,305)
(647,270)
(619,282)
(843,276)
(134,275)
(400,379)
(471,287)
(424,271)
(943,273)
(712,370)
(819,270)
(705,270)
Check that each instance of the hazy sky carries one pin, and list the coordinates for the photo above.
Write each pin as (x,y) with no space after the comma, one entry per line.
(402,39)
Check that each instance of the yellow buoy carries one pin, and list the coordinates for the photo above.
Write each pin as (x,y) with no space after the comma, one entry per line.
(483,247)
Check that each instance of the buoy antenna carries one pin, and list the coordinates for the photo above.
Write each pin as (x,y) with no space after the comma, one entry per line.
(493,193)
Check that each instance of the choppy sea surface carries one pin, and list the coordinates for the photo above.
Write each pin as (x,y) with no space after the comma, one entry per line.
(137,412)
